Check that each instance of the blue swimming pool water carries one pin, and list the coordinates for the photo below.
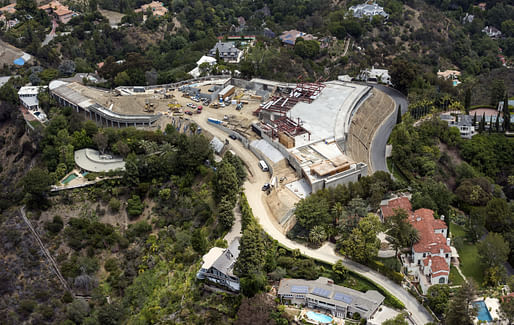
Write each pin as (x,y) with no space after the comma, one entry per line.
(483,313)
(85,173)
(321,318)
(69,178)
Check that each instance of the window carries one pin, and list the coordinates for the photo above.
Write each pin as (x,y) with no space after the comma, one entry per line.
(442,280)
(424,254)
(419,262)
(446,255)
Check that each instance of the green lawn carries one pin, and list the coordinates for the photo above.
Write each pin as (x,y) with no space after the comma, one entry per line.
(457,231)
(469,258)
(455,278)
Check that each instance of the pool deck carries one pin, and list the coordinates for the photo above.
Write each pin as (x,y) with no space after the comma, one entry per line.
(303,315)
(493,306)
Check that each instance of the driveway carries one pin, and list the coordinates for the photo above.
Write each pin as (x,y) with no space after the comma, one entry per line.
(378,145)
(326,253)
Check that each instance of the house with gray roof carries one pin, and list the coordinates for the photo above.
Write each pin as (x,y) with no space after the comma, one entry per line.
(341,302)
(463,122)
(227,51)
(218,266)
(369,10)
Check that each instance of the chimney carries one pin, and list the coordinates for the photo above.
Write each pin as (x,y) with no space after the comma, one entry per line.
(418,218)
(442,217)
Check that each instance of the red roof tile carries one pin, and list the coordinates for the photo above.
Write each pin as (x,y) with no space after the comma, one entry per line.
(438,264)
(399,203)
(423,221)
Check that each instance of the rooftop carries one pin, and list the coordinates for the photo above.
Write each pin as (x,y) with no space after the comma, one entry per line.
(222,259)
(328,116)
(10,8)
(91,160)
(393,204)
(324,290)
(424,222)
(29,91)
(290,36)
(439,265)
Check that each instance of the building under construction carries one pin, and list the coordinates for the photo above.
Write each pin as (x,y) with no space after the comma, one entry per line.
(308,123)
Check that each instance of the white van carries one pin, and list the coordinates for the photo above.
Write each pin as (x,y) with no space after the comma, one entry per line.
(263,166)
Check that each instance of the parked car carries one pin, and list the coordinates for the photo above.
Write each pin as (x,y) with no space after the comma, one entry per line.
(233,137)
(188,112)
(198,111)
(266,187)
(200,107)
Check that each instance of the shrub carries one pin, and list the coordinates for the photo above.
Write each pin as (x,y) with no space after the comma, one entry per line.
(26,307)
(114,204)
(55,226)
(134,206)
(111,265)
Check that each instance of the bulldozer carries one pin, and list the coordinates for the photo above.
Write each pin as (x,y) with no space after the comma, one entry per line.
(149,107)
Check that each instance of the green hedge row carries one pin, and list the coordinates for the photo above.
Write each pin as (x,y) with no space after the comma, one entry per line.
(380,267)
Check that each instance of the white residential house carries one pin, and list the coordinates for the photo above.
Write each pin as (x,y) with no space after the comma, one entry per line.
(369,10)
(218,266)
(429,261)
(28,97)
(492,32)
(376,75)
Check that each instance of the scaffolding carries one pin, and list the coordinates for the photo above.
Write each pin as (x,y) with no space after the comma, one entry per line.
(304,92)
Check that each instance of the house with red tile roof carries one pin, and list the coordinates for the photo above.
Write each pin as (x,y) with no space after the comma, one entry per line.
(387,207)
(430,258)
(61,12)
(155,7)
(9,9)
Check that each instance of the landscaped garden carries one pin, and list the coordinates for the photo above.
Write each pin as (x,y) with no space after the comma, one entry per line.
(469,258)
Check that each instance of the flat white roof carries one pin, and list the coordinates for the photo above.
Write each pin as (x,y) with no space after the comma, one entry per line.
(91,160)
(29,90)
(327,117)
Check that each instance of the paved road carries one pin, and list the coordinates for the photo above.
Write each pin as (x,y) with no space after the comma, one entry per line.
(52,34)
(326,253)
(378,145)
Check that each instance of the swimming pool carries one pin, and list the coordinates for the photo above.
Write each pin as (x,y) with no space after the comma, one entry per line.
(69,179)
(483,313)
(320,318)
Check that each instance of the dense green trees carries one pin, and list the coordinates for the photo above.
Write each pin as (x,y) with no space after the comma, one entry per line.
(399,231)
(494,251)
(306,49)
(437,298)
(362,245)
(460,311)
(36,185)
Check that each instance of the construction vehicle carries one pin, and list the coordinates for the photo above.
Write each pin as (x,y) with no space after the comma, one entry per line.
(174,107)
(149,107)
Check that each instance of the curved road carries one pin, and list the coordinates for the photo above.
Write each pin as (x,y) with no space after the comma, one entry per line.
(326,253)
(378,145)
